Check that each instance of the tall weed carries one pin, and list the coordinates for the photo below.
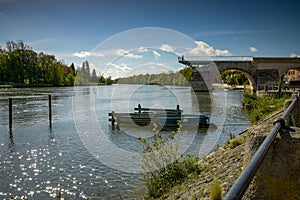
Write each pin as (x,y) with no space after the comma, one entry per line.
(163,165)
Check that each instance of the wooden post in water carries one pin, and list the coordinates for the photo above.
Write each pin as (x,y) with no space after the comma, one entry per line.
(50,111)
(177,108)
(10,112)
(113,120)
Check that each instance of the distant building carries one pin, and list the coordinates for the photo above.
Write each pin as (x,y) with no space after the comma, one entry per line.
(293,75)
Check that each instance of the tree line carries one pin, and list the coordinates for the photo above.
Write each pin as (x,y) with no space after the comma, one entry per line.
(183,77)
(84,77)
(20,65)
(171,78)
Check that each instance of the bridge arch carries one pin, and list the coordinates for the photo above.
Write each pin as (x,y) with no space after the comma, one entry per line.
(245,73)
(259,71)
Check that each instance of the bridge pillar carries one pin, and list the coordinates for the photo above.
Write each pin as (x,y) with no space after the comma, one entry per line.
(198,82)
(202,77)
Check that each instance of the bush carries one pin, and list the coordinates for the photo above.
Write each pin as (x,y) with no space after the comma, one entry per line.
(163,166)
(161,181)
(259,107)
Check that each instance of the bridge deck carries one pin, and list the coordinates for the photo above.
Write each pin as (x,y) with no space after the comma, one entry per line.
(202,60)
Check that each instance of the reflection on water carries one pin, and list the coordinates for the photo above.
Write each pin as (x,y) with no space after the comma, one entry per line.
(38,161)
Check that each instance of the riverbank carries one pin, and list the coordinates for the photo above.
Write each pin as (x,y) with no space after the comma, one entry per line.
(276,178)
(224,164)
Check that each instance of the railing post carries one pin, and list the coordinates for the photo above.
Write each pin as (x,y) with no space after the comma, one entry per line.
(10,112)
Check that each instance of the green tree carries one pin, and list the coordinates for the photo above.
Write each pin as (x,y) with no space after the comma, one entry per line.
(19,64)
(31,71)
(46,63)
(109,81)
(3,66)
(57,74)
(16,62)
(186,73)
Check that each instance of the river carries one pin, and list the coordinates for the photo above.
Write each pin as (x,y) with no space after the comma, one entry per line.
(81,155)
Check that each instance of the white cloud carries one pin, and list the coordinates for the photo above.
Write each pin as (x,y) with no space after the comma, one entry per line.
(125,53)
(167,48)
(253,49)
(97,54)
(156,54)
(81,54)
(203,49)
(122,67)
(142,49)
(293,55)
(84,54)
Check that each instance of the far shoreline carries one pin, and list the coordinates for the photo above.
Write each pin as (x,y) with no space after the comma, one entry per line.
(3,86)
(230,87)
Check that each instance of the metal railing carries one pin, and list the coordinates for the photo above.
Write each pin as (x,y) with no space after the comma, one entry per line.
(216,58)
(242,183)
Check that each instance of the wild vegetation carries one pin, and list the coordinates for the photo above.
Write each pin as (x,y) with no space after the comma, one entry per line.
(216,191)
(259,107)
(163,165)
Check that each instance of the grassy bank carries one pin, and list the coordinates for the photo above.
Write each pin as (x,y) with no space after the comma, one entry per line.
(215,173)
(258,107)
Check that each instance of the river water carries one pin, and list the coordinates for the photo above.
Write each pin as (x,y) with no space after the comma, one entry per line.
(81,156)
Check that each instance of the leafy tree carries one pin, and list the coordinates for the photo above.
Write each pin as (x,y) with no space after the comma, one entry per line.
(101,80)
(19,64)
(187,73)
(234,77)
(3,66)
(109,81)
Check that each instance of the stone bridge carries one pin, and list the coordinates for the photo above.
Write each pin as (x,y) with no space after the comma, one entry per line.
(260,71)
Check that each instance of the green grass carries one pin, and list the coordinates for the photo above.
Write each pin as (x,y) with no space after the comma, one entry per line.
(260,107)
(161,181)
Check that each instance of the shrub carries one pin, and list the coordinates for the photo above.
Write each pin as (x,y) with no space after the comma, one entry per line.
(164,168)
(259,107)
(216,191)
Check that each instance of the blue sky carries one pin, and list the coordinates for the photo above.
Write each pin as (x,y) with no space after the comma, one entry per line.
(71,29)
